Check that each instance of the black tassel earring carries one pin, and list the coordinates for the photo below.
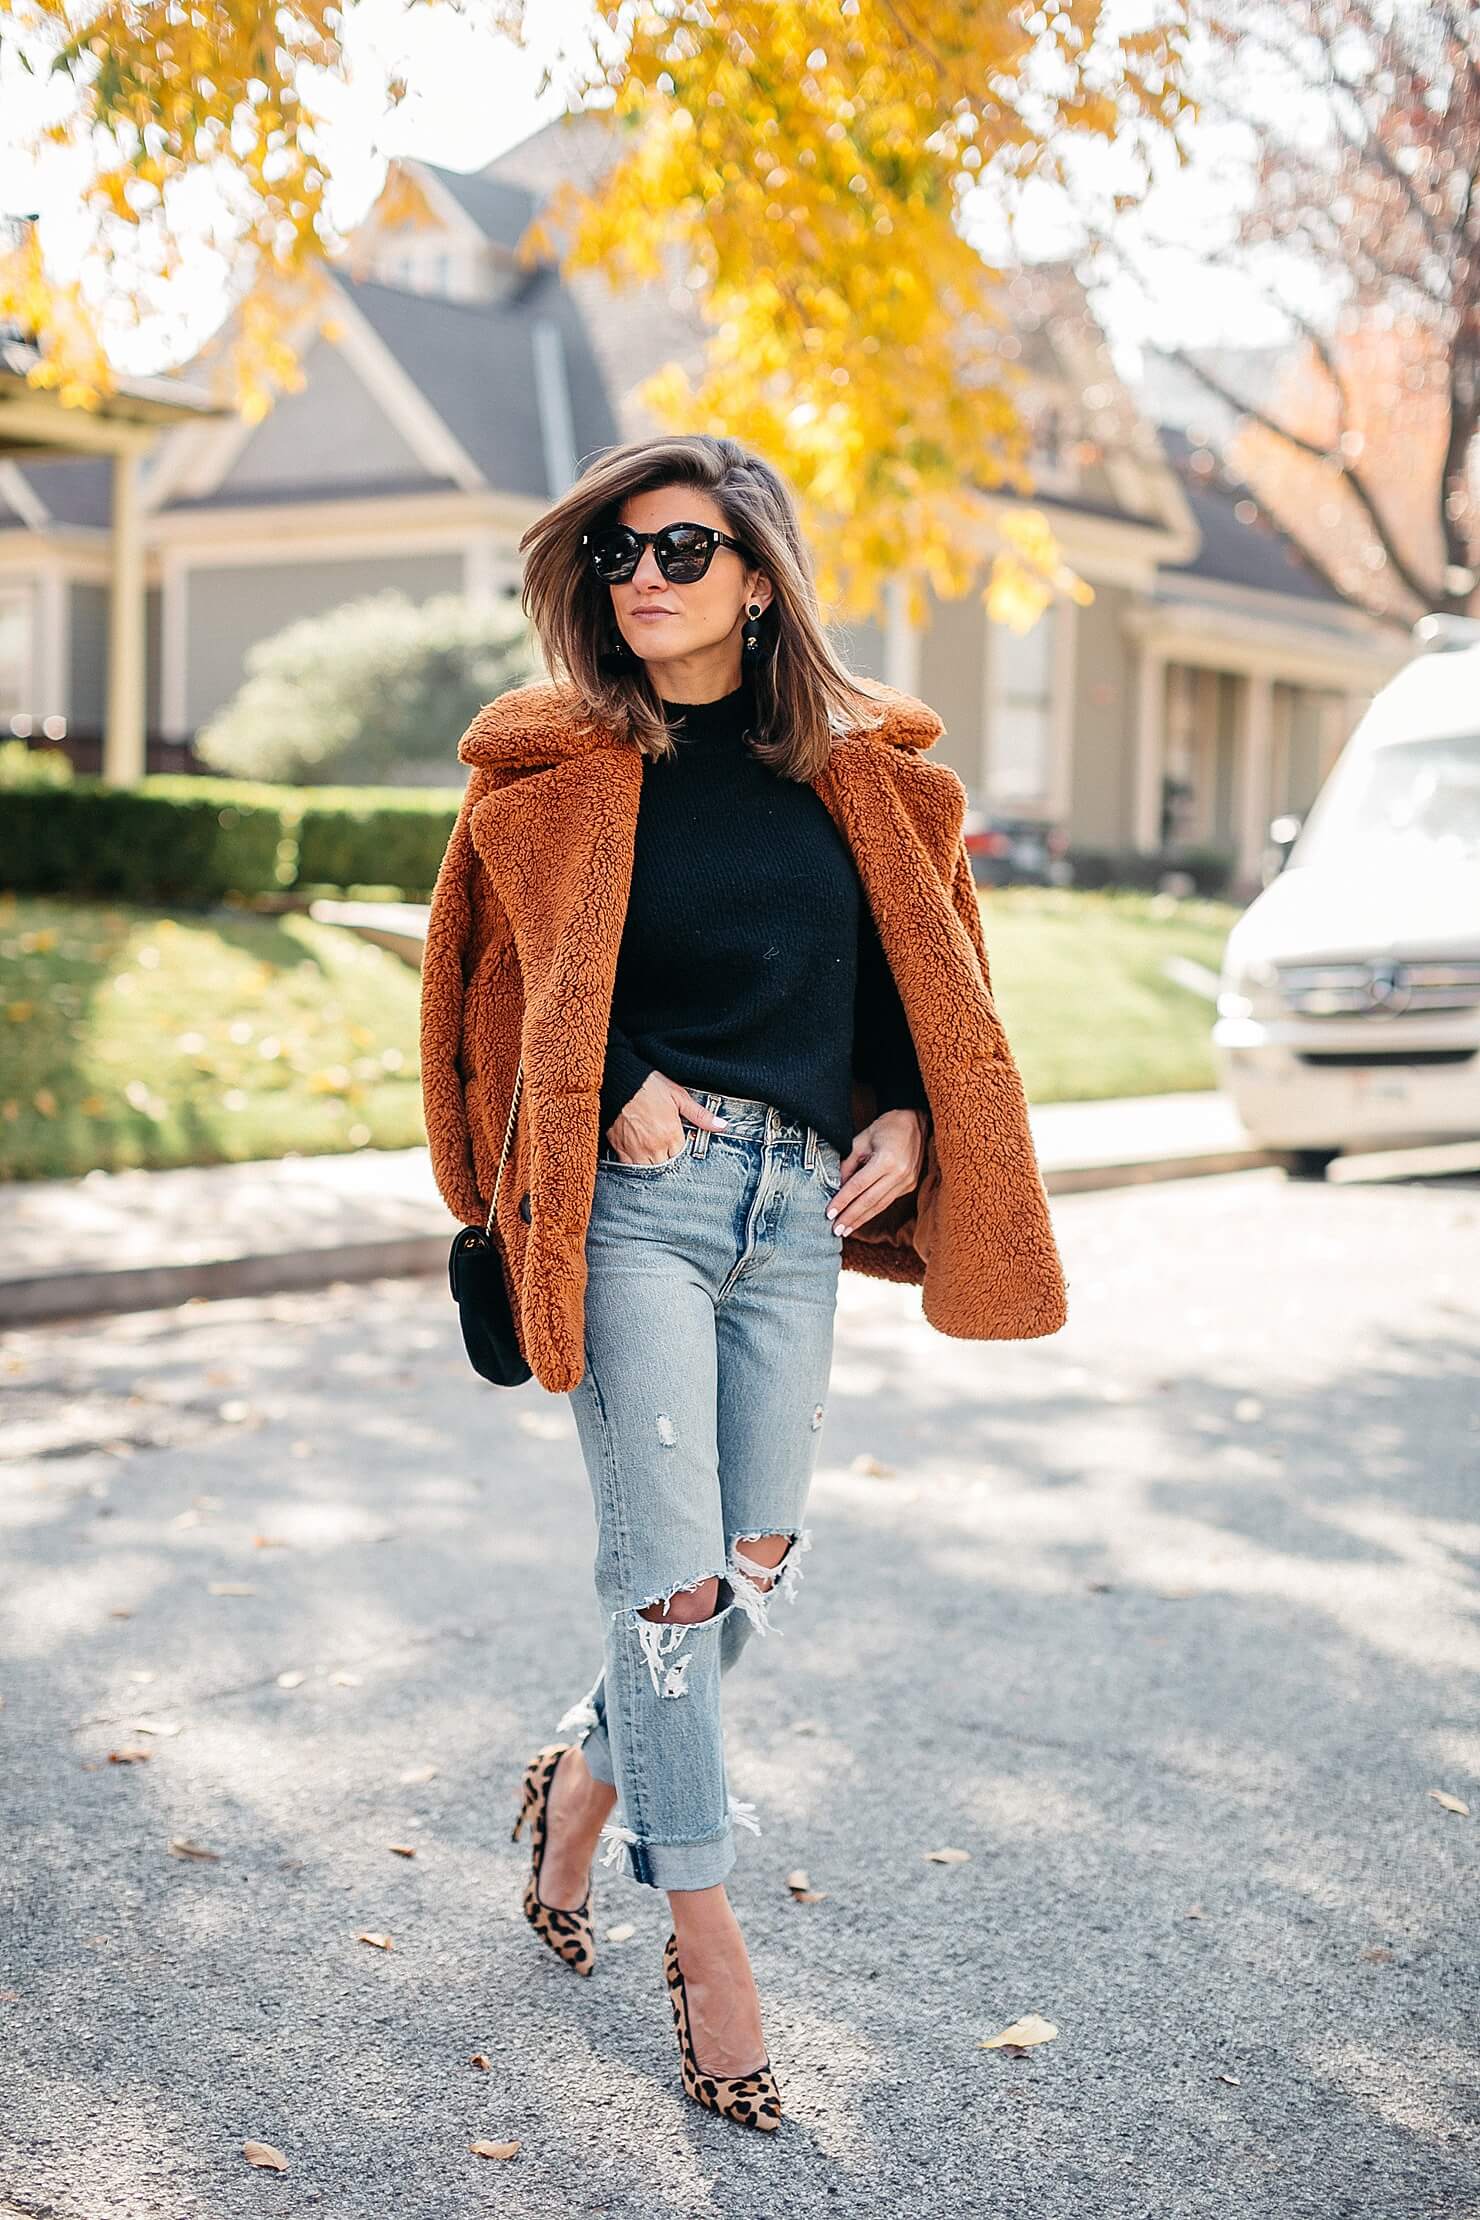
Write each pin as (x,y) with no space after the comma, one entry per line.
(750,644)
(615,656)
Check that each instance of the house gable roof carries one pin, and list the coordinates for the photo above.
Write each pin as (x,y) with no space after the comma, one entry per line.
(1237,549)
(475,363)
(499,209)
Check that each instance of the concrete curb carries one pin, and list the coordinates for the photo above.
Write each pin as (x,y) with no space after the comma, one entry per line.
(1078,1179)
(50,1297)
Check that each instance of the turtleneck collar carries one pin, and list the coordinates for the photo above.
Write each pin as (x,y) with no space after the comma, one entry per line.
(730,714)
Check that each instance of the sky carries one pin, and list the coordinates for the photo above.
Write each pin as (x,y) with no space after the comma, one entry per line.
(473,95)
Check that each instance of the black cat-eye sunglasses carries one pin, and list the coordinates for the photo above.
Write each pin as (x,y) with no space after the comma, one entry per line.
(683,552)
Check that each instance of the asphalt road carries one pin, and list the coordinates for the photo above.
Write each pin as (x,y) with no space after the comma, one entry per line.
(1170,1621)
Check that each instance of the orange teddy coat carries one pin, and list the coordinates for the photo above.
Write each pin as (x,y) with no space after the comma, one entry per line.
(521,953)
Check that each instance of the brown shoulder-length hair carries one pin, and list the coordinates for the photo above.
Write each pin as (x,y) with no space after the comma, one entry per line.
(804,694)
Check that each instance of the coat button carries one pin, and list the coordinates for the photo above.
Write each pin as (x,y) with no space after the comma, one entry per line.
(524,1208)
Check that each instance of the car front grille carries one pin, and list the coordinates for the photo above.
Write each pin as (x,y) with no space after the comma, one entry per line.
(1384,987)
(1379,1059)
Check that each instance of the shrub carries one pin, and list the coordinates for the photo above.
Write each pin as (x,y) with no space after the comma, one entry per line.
(1210,869)
(140,845)
(24,766)
(191,841)
(368,693)
(371,838)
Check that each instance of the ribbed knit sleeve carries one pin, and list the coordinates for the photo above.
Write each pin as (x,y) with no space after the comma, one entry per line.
(624,1073)
(883,1048)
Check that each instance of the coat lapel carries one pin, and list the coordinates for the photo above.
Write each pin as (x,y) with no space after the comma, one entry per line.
(558,846)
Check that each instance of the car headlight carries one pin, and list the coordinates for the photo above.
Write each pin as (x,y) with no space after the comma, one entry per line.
(1250,989)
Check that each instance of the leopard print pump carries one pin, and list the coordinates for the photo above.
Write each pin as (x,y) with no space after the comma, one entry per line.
(754,2099)
(567,1932)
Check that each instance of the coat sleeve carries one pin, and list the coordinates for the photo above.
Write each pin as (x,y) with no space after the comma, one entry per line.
(463,920)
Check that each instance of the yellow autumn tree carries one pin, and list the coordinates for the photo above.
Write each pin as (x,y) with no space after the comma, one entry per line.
(812,160)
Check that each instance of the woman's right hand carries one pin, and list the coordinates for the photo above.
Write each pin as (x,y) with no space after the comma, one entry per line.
(649,1129)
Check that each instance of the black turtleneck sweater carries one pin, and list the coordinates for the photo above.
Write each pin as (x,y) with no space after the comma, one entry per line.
(750,963)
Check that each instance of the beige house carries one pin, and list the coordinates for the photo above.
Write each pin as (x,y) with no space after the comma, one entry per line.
(1206,688)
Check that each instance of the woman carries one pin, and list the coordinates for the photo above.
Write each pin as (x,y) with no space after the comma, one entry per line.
(707,904)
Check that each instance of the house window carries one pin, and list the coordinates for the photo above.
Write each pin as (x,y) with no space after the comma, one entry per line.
(1020,727)
(15,653)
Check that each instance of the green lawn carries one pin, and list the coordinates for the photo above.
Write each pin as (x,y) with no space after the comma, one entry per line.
(143,1037)
(1077,978)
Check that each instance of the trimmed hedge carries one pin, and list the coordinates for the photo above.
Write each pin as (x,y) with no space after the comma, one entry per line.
(191,841)
(371,836)
(1210,869)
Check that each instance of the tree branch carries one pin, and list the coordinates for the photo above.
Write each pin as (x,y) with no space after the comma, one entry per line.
(1319,453)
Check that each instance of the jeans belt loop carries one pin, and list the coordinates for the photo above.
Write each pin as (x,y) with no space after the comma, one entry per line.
(809,1158)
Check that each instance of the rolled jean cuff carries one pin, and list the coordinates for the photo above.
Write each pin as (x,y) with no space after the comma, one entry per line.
(671,1865)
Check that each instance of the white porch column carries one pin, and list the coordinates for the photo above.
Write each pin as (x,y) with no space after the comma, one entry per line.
(123,725)
(1251,790)
(1151,701)
(901,641)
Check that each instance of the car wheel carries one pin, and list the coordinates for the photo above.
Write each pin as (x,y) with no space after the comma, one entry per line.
(1308,1163)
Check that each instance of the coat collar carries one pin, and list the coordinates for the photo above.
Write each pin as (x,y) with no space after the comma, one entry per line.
(542,723)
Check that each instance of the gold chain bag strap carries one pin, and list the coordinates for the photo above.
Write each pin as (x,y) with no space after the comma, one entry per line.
(475,1268)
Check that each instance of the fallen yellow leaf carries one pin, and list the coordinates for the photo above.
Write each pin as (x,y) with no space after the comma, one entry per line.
(947,1857)
(180,1848)
(1022,2034)
(403,1849)
(151,1726)
(264,2154)
(493,2150)
(231,1588)
(1450,1803)
(380,1942)
(624,1932)
(482,2061)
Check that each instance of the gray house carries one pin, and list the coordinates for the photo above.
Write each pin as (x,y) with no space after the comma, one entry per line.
(452,394)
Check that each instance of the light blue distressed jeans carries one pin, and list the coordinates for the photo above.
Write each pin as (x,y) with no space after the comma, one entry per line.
(711,1289)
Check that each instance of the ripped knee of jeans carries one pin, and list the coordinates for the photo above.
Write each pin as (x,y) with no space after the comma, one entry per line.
(663,1639)
(756,1585)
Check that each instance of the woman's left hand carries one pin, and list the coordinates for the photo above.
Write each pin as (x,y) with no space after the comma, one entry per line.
(885,1161)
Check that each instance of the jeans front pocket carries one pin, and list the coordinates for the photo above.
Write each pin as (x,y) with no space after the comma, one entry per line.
(606,1163)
